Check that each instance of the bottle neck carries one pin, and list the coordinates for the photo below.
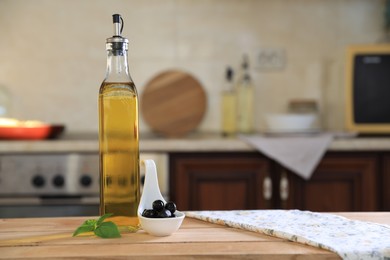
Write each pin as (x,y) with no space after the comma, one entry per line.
(245,76)
(228,86)
(117,66)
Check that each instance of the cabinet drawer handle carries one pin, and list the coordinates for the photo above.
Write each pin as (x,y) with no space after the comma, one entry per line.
(267,188)
(284,187)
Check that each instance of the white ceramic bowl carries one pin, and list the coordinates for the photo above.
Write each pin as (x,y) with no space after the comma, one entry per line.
(290,122)
(151,192)
(162,226)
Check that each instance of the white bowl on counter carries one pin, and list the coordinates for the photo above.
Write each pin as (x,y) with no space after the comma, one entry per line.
(151,192)
(290,122)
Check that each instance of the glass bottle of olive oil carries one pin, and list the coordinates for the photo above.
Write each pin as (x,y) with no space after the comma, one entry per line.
(118,135)
(245,102)
(229,105)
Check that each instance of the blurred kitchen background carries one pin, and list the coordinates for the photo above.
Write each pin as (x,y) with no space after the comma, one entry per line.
(53,59)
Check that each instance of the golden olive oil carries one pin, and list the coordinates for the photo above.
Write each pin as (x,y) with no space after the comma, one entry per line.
(245,108)
(119,152)
(229,113)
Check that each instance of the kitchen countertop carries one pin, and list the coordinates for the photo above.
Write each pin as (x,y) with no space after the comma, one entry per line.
(203,142)
(50,238)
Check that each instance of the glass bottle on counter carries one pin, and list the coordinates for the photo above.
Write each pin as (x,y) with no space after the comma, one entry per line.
(118,135)
(245,91)
(229,105)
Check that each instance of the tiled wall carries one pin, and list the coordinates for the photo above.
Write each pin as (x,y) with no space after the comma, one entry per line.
(52,52)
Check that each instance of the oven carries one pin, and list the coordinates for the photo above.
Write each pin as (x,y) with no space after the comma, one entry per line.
(59,184)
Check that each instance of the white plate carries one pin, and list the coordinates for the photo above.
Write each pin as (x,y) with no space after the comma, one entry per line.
(293,132)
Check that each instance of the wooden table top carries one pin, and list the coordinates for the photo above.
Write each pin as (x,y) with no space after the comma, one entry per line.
(51,238)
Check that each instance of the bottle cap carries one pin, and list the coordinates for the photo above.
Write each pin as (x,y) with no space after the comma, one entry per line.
(229,73)
(117,42)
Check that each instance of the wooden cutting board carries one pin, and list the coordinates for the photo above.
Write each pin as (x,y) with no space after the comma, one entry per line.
(51,238)
(173,103)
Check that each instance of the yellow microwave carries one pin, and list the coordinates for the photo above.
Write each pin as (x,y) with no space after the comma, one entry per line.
(368,89)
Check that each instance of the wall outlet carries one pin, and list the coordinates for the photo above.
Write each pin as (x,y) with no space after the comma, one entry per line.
(271,59)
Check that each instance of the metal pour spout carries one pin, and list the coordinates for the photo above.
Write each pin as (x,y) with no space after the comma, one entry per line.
(118,25)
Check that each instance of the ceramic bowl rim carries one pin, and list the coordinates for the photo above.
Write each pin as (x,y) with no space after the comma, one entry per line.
(180,215)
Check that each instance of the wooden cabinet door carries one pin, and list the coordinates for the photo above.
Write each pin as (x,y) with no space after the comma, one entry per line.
(385,183)
(341,182)
(220,181)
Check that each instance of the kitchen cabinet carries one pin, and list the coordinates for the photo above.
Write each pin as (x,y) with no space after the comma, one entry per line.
(220,181)
(385,184)
(227,181)
(341,182)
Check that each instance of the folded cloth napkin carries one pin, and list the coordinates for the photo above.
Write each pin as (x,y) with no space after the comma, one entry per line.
(350,239)
(300,154)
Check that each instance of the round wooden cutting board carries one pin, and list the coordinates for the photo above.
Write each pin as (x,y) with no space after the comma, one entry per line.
(173,103)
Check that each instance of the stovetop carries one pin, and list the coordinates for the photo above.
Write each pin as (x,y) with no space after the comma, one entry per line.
(70,174)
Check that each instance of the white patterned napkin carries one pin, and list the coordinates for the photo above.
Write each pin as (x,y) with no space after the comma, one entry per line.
(300,154)
(350,239)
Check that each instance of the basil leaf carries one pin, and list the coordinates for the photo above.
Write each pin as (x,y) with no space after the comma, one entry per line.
(84,228)
(102,218)
(107,230)
(99,227)
(90,222)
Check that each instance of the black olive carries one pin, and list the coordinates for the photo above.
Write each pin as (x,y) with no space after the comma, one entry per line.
(150,213)
(171,206)
(160,210)
(158,205)
(164,214)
